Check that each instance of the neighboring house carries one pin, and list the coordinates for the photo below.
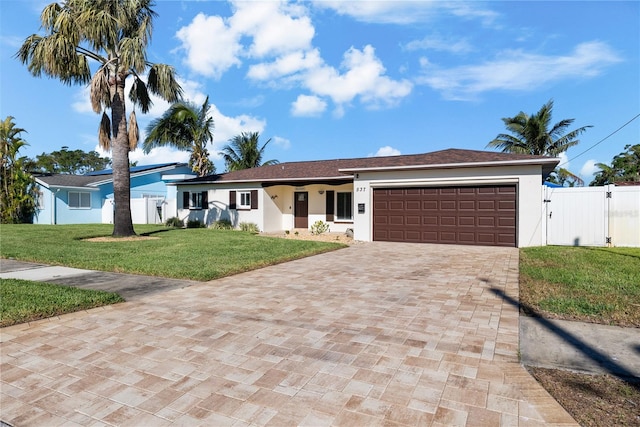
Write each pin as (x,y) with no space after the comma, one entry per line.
(87,199)
(449,196)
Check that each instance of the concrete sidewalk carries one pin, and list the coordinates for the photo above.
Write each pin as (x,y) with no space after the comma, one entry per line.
(579,346)
(129,286)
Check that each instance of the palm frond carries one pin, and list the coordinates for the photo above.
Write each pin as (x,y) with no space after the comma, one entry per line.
(132,54)
(162,82)
(139,95)
(49,15)
(532,134)
(134,133)
(104,133)
(99,90)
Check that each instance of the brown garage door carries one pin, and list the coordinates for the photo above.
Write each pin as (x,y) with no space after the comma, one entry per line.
(483,215)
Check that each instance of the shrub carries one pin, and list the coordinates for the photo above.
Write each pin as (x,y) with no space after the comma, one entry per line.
(174,221)
(250,227)
(194,223)
(319,227)
(222,224)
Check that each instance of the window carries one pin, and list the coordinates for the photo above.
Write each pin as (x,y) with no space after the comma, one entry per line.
(195,200)
(344,211)
(79,200)
(245,200)
(40,199)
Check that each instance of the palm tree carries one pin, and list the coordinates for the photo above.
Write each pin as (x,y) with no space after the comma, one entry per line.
(242,152)
(533,134)
(562,176)
(17,190)
(185,127)
(114,34)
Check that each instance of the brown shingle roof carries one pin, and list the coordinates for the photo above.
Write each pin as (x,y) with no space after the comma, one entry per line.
(66,180)
(343,168)
(101,176)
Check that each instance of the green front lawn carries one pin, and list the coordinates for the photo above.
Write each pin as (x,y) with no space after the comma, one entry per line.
(196,253)
(600,285)
(25,301)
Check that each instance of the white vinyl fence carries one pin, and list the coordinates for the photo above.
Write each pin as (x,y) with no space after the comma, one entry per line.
(144,210)
(593,216)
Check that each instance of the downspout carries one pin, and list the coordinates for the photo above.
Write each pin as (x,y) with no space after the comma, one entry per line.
(54,204)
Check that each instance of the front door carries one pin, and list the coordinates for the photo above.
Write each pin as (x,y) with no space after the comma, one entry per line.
(301,209)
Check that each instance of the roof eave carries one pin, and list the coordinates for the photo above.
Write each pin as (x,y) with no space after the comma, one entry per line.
(70,187)
(543,162)
(276,180)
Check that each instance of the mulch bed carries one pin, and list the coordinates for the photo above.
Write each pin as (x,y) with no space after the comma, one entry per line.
(593,400)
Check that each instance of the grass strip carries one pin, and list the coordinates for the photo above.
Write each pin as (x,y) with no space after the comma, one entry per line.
(600,285)
(197,254)
(25,301)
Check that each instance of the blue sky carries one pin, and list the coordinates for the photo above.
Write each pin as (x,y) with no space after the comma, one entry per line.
(340,79)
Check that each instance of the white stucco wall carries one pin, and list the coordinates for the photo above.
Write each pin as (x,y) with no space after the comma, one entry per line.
(218,206)
(317,206)
(528,180)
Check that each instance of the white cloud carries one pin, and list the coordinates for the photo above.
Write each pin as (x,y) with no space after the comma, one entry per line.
(564,160)
(519,71)
(285,65)
(228,127)
(212,47)
(440,43)
(280,35)
(405,12)
(308,106)
(364,77)
(588,169)
(387,150)
(276,27)
(283,143)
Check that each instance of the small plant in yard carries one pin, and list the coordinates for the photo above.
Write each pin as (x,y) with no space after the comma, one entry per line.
(249,227)
(319,227)
(222,224)
(296,233)
(194,223)
(174,222)
(287,232)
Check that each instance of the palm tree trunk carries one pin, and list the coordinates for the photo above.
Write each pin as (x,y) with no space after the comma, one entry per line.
(122,222)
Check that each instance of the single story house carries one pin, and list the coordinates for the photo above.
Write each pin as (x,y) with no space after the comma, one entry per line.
(450,196)
(88,199)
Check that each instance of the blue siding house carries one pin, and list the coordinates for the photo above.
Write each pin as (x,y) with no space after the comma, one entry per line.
(88,199)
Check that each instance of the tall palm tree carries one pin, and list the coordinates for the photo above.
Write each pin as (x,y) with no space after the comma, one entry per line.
(114,34)
(535,135)
(242,152)
(185,127)
(17,190)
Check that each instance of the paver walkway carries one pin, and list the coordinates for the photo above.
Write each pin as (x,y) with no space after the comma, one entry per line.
(375,334)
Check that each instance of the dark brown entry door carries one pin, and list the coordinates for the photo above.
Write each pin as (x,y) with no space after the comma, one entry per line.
(301,209)
(483,215)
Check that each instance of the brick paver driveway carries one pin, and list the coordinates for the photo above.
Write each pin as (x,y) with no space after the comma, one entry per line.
(376,334)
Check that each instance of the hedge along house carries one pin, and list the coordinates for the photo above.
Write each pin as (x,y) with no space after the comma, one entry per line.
(88,199)
(450,196)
